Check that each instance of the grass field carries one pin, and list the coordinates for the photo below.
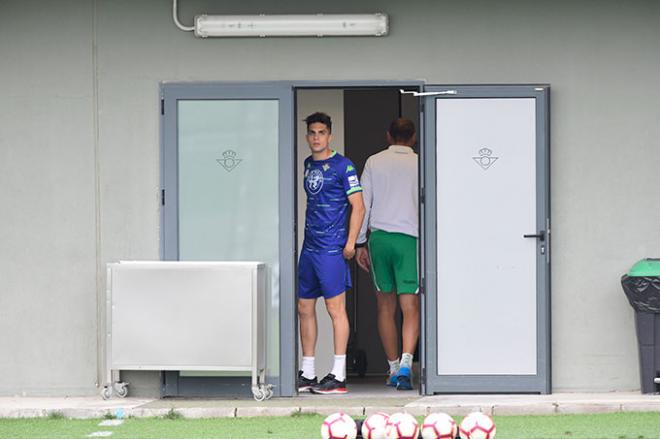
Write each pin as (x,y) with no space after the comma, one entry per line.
(615,426)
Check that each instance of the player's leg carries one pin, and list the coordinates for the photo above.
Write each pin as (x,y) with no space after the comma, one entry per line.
(405,271)
(335,381)
(308,325)
(335,280)
(410,308)
(336,307)
(387,330)
(308,292)
(383,277)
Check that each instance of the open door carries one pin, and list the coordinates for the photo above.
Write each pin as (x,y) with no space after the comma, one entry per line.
(486,225)
(227,173)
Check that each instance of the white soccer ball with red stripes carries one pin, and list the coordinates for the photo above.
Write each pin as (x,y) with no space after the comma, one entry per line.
(439,426)
(402,426)
(374,426)
(477,425)
(338,426)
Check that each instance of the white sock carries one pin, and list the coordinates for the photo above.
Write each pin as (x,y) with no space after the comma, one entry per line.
(406,360)
(308,369)
(339,369)
(394,366)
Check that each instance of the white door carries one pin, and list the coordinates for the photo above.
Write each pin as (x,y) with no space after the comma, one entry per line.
(486,239)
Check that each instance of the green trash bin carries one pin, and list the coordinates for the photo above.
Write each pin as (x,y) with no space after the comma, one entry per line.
(642,287)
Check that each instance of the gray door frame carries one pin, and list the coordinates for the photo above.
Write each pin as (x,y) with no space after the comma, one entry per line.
(284,91)
(171,93)
(541,382)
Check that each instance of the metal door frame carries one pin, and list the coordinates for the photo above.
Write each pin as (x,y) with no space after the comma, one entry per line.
(414,85)
(285,91)
(541,382)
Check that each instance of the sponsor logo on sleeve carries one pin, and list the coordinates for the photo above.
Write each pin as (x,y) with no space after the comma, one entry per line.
(353,181)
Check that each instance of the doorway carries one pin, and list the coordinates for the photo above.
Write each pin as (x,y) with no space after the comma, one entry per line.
(484,198)
(361,117)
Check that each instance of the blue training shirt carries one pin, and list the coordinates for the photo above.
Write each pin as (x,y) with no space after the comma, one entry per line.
(328,183)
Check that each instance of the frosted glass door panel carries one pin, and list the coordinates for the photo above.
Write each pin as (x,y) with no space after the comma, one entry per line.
(228,181)
(486,201)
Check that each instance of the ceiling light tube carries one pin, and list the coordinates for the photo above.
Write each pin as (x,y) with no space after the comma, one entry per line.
(291,25)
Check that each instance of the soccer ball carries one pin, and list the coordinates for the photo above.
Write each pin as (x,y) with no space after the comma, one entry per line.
(374,426)
(401,426)
(439,426)
(338,426)
(476,425)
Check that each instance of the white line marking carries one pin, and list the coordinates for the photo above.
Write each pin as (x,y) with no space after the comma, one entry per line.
(111,422)
(100,434)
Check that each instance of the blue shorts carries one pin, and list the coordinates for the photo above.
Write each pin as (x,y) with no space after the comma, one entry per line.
(322,275)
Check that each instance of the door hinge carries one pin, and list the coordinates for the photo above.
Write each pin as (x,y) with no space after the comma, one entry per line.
(162,106)
(162,197)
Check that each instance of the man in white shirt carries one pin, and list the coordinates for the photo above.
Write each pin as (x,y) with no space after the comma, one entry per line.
(390,193)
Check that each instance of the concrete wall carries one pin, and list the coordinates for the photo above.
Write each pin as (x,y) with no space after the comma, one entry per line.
(48,224)
(79,150)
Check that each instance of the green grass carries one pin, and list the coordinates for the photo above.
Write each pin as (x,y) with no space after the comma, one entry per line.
(606,426)
(55,415)
(173,416)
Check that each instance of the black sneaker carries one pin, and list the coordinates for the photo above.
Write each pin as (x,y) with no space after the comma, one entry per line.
(330,385)
(305,384)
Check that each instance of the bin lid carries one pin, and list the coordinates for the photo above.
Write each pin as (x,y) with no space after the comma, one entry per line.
(645,267)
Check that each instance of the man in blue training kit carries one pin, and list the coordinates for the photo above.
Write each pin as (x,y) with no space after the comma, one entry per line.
(331,184)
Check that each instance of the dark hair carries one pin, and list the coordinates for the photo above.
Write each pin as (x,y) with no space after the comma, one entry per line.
(402,129)
(319,117)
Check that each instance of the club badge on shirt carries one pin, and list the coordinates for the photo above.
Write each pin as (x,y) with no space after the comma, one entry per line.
(314,181)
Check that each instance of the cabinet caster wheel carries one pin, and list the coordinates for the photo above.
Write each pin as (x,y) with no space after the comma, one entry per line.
(259,395)
(121,389)
(106,392)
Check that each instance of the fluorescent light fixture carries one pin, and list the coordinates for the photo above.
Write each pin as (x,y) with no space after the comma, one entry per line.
(291,25)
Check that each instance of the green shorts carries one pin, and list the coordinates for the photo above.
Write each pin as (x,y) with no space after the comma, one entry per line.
(394,262)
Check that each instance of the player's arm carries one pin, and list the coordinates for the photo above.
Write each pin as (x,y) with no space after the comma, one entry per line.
(354,223)
(361,255)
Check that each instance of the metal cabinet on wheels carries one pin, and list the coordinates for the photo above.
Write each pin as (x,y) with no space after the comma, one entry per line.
(185,316)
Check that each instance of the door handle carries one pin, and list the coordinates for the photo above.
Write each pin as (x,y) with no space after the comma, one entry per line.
(540,235)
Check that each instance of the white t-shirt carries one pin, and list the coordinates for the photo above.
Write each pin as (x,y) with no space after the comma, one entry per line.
(390,191)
